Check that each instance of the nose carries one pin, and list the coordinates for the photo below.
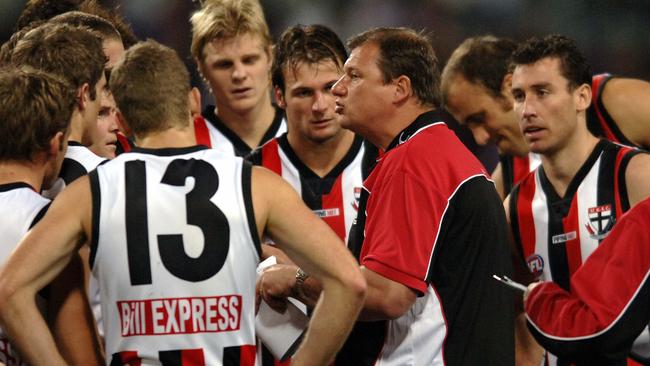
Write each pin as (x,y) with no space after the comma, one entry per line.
(526,108)
(239,71)
(114,125)
(338,89)
(481,135)
(320,102)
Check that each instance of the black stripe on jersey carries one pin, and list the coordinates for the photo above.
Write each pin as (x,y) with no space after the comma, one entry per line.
(10,186)
(246,184)
(363,345)
(514,223)
(507,172)
(594,123)
(241,148)
(97,204)
(358,228)
(71,170)
(622,184)
(232,356)
(255,157)
(40,215)
(369,160)
(169,151)
(313,187)
(170,358)
(606,175)
(137,227)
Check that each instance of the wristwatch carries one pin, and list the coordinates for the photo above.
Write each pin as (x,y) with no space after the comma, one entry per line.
(301,276)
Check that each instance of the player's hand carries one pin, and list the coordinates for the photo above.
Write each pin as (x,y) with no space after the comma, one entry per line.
(529,289)
(275,284)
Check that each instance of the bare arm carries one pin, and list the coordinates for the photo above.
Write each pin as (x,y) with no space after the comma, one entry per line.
(386,298)
(626,101)
(637,178)
(44,253)
(70,318)
(312,245)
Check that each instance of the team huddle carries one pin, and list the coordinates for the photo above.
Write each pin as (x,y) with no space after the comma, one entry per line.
(134,218)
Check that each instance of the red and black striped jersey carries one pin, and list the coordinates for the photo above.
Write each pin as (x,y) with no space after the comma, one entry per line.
(210,131)
(554,235)
(607,307)
(334,197)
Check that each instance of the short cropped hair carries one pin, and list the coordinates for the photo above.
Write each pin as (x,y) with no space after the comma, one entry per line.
(7,48)
(151,86)
(404,51)
(94,22)
(482,60)
(225,19)
(74,53)
(309,44)
(573,65)
(34,107)
(43,10)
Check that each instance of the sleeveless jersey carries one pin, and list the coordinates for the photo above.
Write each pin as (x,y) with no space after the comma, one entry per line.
(210,131)
(20,208)
(175,249)
(599,121)
(555,235)
(78,161)
(335,197)
(515,168)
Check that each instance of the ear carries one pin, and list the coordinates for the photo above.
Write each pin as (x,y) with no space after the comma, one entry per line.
(57,144)
(83,96)
(279,97)
(506,85)
(195,101)
(123,126)
(403,88)
(582,96)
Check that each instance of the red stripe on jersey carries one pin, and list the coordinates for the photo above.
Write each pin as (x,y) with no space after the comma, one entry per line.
(192,357)
(271,157)
(631,362)
(201,132)
(334,201)
(617,197)
(595,90)
(525,216)
(130,358)
(572,247)
(282,363)
(247,355)
(520,168)
(123,141)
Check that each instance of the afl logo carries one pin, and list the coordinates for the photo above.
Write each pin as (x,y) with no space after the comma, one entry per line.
(535,265)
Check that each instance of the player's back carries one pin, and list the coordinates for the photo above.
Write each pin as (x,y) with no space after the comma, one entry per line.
(20,208)
(175,249)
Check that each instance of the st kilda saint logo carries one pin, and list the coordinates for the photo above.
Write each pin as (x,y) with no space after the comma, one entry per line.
(600,221)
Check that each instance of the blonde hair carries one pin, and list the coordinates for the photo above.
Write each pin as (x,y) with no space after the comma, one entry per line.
(224,19)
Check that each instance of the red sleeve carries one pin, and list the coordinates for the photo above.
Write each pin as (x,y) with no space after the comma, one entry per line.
(403,221)
(610,298)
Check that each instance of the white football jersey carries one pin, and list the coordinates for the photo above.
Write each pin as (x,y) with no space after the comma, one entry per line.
(20,208)
(174,249)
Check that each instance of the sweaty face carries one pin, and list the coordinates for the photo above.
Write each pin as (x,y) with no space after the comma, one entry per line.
(491,119)
(361,92)
(107,127)
(309,102)
(545,107)
(238,72)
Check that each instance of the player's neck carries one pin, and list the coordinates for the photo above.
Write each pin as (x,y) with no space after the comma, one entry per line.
(562,166)
(22,171)
(322,157)
(173,137)
(396,122)
(249,125)
(76,127)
